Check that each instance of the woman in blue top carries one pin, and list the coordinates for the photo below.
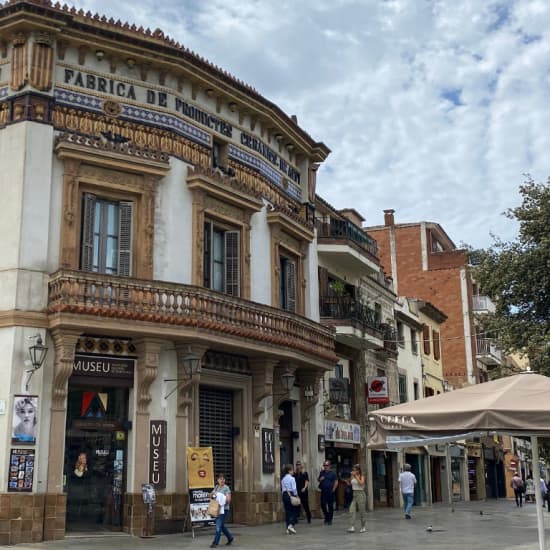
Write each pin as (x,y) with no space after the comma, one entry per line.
(288,487)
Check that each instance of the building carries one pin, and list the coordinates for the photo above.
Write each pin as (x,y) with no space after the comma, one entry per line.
(158,238)
(425,263)
(358,301)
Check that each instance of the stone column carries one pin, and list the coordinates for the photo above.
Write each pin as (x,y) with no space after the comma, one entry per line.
(56,502)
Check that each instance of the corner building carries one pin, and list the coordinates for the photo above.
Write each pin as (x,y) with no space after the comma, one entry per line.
(158,236)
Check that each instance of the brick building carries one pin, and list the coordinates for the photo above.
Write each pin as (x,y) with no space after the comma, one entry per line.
(424,262)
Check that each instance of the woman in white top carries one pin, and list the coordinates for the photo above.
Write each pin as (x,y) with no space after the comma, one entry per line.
(359,502)
(222,493)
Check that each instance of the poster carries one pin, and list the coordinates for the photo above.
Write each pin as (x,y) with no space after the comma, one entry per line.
(200,474)
(25,418)
(377,390)
(21,470)
(200,467)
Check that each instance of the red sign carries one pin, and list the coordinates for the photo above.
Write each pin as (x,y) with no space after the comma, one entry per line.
(377,390)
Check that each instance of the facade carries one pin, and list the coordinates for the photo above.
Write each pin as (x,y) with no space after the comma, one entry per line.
(357,301)
(158,237)
(425,263)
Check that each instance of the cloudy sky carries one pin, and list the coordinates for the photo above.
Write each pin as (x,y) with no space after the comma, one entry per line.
(435,108)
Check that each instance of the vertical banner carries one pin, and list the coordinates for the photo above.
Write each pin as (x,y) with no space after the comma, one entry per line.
(200,475)
(157,452)
(268,457)
(21,471)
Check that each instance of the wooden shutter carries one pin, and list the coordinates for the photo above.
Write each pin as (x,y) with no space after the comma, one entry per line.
(125,238)
(437,351)
(41,66)
(426,339)
(290,285)
(87,238)
(19,62)
(232,256)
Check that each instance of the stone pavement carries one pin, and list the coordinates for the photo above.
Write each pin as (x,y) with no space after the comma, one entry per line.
(481,525)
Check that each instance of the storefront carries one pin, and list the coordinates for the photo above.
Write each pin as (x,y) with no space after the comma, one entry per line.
(417,459)
(96,438)
(458,468)
(384,478)
(476,472)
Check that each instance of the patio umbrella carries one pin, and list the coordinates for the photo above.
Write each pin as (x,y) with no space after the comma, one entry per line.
(517,405)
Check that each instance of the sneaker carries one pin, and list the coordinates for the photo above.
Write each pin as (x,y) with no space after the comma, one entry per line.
(291,529)
(351,530)
(407,516)
(228,543)
(363,530)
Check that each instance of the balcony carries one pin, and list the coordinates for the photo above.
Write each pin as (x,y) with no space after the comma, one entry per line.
(96,303)
(347,244)
(487,352)
(355,323)
(483,304)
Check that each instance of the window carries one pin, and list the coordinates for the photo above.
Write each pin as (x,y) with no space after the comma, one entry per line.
(287,284)
(106,243)
(400,334)
(436,245)
(414,342)
(402,388)
(377,313)
(426,339)
(416,390)
(222,259)
(437,350)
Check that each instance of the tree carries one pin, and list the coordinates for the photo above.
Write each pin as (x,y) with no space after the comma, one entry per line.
(516,275)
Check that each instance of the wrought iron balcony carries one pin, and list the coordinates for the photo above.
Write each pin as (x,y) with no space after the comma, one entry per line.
(483,304)
(136,304)
(345,230)
(487,352)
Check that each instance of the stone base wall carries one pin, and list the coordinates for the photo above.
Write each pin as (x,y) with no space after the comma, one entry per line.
(31,517)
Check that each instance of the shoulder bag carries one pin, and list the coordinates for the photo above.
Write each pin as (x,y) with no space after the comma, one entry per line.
(295,501)
(213,508)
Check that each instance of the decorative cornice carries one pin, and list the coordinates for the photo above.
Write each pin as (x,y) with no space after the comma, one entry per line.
(290,226)
(16,318)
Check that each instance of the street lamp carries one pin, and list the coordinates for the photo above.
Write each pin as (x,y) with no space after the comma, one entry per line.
(192,366)
(37,352)
(288,380)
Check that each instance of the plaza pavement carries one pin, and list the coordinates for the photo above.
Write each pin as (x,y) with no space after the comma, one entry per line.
(480,525)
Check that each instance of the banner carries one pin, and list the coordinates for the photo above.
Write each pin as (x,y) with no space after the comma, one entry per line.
(377,390)
(200,474)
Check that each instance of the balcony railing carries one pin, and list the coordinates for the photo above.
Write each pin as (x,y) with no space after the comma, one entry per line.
(390,338)
(486,349)
(344,229)
(185,305)
(483,304)
(347,308)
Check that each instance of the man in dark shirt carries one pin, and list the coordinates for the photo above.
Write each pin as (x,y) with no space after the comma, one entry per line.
(327,483)
(302,484)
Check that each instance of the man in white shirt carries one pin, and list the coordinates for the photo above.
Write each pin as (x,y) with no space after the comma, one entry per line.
(407,482)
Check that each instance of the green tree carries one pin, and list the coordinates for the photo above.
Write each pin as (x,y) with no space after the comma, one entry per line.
(516,275)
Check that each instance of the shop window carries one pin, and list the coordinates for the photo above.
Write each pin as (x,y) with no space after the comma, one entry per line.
(106,243)
(222,260)
(287,283)
(426,339)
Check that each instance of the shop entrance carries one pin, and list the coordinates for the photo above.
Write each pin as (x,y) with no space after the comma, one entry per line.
(95,458)
(382,478)
(342,461)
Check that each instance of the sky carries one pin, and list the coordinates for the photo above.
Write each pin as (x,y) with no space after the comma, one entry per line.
(434,108)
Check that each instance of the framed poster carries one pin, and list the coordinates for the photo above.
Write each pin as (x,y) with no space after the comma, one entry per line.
(268,457)
(21,471)
(198,506)
(24,420)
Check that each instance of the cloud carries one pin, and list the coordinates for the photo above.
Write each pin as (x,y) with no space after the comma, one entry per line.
(435,108)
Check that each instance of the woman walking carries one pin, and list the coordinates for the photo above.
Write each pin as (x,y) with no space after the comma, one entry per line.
(359,501)
(222,493)
(288,489)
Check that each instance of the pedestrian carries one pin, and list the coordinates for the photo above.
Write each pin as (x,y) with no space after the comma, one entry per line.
(529,489)
(222,493)
(543,490)
(328,482)
(288,489)
(407,483)
(517,485)
(359,500)
(302,486)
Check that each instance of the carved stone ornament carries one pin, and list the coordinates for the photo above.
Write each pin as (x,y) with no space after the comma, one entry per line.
(112,108)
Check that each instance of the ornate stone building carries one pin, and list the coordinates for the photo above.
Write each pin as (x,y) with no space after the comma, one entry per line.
(157,237)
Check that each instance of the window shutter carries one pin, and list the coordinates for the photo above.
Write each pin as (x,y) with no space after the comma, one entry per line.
(323,281)
(426,339)
(437,352)
(125,238)
(87,238)
(232,241)
(290,284)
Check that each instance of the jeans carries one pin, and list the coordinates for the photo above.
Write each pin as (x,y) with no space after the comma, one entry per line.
(291,512)
(221,528)
(327,505)
(518,493)
(408,501)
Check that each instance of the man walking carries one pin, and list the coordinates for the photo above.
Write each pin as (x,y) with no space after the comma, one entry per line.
(302,485)
(327,483)
(407,482)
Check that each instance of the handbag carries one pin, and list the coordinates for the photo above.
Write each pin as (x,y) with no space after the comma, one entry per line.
(213,509)
(295,501)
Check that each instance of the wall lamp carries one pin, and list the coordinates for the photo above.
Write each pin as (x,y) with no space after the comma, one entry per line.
(37,355)
(192,366)
(288,380)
